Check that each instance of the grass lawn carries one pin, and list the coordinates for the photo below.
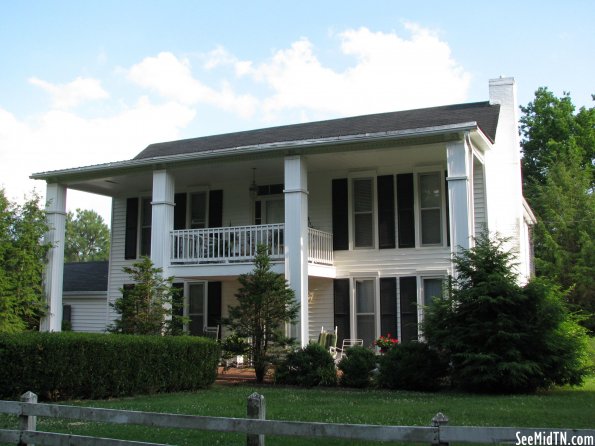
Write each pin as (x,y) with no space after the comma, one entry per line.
(562,407)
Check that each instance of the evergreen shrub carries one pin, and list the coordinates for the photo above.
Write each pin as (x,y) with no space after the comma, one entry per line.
(310,366)
(412,366)
(58,366)
(357,367)
(501,337)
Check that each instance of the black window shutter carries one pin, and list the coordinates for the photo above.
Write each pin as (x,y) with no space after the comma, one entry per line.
(216,209)
(341,309)
(130,239)
(405,210)
(66,313)
(340,214)
(386,212)
(388,306)
(180,211)
(408,288)
(214,304)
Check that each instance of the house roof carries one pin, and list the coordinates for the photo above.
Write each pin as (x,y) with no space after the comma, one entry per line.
(85,276)
(482,113)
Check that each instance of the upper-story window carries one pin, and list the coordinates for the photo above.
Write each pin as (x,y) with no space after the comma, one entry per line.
(198,210)
(430,208)
(405,210)
(269,206)
(363,213)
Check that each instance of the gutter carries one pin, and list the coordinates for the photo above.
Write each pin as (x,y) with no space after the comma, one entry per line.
(259,148)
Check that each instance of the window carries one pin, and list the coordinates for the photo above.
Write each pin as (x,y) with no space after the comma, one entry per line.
(203,306)
(430,205)
(269,211)
(365,326)
(198,210)
(432,289)
(363,213)
(269,207)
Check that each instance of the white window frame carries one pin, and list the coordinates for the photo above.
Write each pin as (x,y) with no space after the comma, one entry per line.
(421,298)
(353,303)
(187,313)
(189,194)
(417,206)
(371,175)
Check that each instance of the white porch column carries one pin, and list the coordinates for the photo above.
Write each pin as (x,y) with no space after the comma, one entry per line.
(54,270)
(162,218)
(458,158)
(296,237)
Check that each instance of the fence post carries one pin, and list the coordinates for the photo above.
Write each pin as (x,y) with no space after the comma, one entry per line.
(256,410)
(26,422)
(438,421)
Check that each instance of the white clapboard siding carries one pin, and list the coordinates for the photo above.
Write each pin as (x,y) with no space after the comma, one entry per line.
(479,198)
(117,278)
(87,312)
(320,307)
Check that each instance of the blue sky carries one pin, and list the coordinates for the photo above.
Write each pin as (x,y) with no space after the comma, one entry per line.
(86,82)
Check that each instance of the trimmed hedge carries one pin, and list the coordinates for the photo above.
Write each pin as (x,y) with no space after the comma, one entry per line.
(412,366)
(58,366)
(310,366)
(358,367)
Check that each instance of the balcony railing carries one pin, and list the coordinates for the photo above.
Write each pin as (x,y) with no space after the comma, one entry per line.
(237,244)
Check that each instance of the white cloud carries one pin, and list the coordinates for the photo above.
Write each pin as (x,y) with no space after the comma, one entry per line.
(172,78)
(381,72)
(66,96)
(61,139)
(389,73)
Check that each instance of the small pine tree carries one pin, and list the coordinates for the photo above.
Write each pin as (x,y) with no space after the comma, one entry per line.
(150,306)
(501,337)
(265,305)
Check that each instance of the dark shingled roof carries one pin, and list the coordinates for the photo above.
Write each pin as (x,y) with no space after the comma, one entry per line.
(85,276)
(483,113)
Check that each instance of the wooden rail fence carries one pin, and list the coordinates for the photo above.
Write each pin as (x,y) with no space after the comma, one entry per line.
(256,426)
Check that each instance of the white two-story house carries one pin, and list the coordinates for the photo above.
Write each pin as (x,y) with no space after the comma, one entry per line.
(361,214)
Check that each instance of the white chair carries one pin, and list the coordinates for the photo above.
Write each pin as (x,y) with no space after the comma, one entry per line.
(211,332)
(346,345)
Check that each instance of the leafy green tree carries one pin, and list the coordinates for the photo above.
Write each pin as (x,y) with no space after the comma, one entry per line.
(151,305)
(550,131)
(565,234)
(558,159)
(22,260)
(87,237)
(265,305)
(500,337)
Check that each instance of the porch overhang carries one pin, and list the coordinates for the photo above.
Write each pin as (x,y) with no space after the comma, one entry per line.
(102,178)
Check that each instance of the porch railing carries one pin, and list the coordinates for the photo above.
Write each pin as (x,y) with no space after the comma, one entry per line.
(238,244)
(320,247)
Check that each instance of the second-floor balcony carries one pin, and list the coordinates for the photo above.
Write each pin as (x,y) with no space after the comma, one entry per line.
(237,244)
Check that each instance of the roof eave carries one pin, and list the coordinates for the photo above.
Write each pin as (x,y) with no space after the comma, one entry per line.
(99,169)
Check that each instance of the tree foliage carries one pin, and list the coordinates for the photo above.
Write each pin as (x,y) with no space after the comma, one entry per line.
(501,337)
(265,305)
(22,260)
(150,306)
(558,160)
(87,237)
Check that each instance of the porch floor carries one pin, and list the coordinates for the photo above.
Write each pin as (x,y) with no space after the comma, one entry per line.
(241,375)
